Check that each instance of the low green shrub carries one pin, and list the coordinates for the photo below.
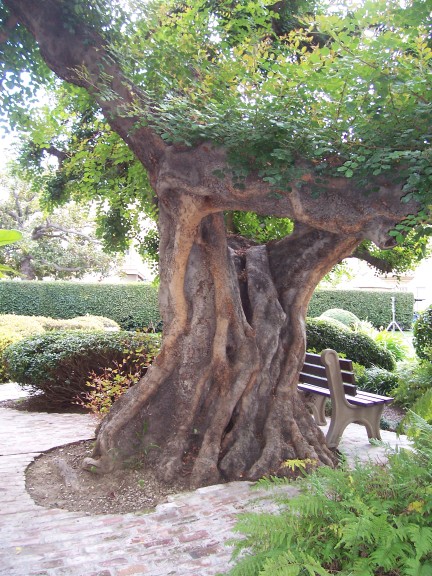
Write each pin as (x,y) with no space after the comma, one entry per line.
(334,322)
(414,380)
(13,328)
(58,364)
(79,323)
(21,325)
(378,381)
(422,333)
(347,318)
(321,334)
(6,339)
(362,521)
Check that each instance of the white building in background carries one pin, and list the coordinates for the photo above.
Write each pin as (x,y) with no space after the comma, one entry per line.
(134,268)
(418,282)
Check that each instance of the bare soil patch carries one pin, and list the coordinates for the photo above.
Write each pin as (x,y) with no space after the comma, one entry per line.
(56,480)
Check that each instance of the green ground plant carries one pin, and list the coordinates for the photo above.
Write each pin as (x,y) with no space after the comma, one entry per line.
(368,520)
(414,380)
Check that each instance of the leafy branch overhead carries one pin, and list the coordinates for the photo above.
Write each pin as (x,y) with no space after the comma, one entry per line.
(295,100)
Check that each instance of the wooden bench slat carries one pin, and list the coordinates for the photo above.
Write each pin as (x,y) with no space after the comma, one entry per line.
(376,397)
(365,399)
(314,389)
(322,381)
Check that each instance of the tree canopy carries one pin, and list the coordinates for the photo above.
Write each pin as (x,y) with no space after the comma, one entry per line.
(283,86)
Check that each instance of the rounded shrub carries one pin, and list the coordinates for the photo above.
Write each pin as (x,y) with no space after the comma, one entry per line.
(344,316)
(360,348)
(87,322)
(423,335)
(58,364)
(14,327)
(21,325)
(378,381)
(6,339)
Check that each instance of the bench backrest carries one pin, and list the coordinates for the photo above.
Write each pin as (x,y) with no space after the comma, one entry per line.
(314,372)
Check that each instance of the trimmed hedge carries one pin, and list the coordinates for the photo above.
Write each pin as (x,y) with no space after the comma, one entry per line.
(371,305)
(59,364)
(360,348)
(135,306)
(132,306)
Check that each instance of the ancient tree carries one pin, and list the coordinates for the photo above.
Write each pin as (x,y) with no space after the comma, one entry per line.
(322,120)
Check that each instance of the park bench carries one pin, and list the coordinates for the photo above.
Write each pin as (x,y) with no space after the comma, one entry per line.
(326,376)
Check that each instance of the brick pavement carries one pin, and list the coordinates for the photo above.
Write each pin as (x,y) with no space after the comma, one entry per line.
(184,537)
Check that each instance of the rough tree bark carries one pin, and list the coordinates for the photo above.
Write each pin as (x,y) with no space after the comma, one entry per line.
(220,400)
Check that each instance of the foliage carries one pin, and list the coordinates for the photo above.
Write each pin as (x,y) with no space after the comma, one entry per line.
(106,387)
(8,237)
(21,325)
(366,520)
(239,97)
(394,342)
(60,243)
(132,306)
(423,335)
(344,316)
(347,90)
(59,364)
(402,258)
(372,305)
(259,228)
(360,348)
(414,380)
(79,323)
(377,380)
(6,339)
(14,327)
(423,407)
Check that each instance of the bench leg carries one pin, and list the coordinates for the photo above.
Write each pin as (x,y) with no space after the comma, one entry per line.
(368,416)
(336,429)
(318,409)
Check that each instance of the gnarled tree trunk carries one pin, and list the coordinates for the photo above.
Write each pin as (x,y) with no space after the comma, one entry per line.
(220,401)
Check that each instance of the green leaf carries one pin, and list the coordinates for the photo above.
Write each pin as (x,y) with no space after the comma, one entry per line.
(9,236)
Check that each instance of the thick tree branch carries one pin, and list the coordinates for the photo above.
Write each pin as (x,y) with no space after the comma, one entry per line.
(46,229)
(59,268)
(7,27)
(59,154)
(80,55)
(378,263)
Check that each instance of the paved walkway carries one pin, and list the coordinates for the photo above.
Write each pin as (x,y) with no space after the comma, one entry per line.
(184,537)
